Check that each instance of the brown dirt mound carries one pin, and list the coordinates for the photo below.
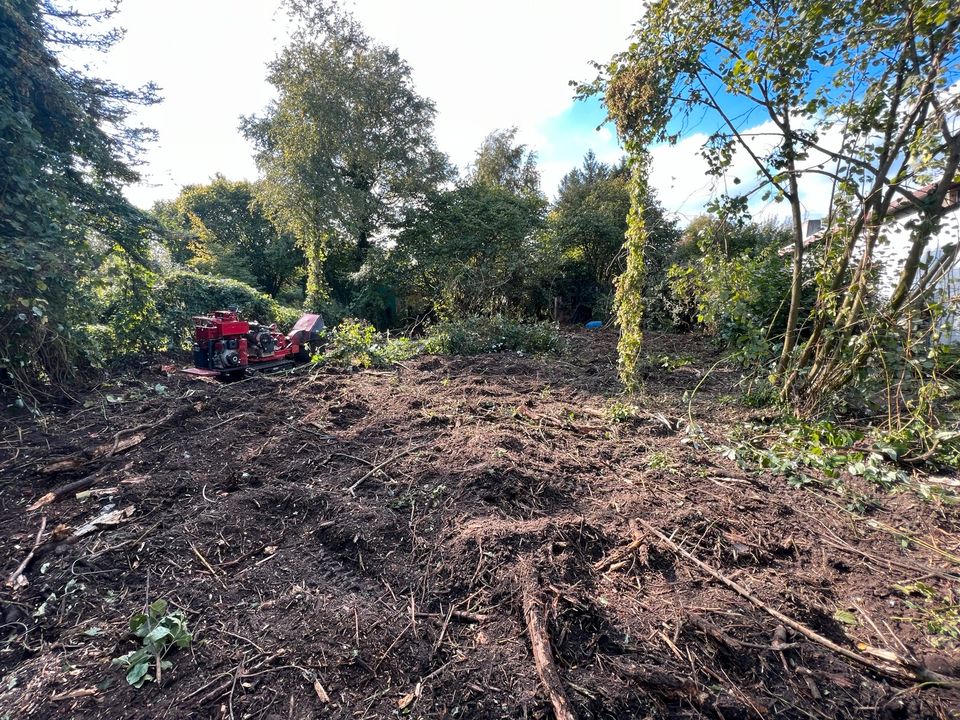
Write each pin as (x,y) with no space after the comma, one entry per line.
(354,545)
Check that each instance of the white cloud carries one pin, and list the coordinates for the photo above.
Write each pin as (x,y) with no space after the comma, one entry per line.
(679,175)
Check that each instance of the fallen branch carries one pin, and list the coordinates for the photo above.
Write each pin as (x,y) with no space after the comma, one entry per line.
(122,441)
(68,489)
(620,554)
(901,669)
(540,643)
(14,577)
(378,467)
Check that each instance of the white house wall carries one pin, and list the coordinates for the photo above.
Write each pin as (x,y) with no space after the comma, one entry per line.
(893,252)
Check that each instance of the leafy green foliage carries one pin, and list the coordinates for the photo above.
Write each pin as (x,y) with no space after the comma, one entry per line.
(502,163)
(470,250)
(823,452)
(135,310)
(472,336)
(66,151)
(630,285)
(621,412)
(831,80)
(220,229)
(355,343)
(585,230)
(161,631)
(736,288)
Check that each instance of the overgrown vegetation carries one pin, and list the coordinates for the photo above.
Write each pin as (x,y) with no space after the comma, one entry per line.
(863,96)
(355,343)
(66,155)
(359,215)
(492,334)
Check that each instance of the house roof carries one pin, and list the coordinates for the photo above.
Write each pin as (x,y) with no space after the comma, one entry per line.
(905,205)
(898,208)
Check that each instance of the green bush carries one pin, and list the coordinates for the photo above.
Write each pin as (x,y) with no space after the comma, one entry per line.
(741,300)
(492,334)
(356,343)
(97,343)
(181,295)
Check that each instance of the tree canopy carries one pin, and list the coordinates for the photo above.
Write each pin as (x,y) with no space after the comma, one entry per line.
(221,229)
(502,162)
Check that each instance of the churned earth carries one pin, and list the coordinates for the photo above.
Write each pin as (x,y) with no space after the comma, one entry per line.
(385,543)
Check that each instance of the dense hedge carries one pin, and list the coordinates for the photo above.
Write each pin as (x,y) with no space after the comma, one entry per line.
(181,295)
(157,314)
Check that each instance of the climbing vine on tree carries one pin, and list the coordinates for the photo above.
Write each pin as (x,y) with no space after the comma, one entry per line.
(630,285)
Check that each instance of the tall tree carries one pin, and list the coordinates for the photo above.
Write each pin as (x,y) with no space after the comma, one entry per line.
(221,228)
(500,161)
(347,144)
(67,152)
(880,77)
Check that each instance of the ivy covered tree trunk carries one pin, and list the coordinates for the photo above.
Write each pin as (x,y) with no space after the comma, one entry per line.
(317,290)
(630,285)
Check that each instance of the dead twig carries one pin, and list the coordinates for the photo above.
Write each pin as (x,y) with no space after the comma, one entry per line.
(620,554)
(898,667)
(208,566)
(14,576)
(533,612)
(122,441)
(379,466)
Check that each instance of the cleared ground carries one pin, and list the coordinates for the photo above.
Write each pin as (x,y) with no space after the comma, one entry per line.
(363,545)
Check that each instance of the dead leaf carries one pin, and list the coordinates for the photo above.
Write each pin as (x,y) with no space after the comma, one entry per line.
(109,519)
(44,500)
(321,693)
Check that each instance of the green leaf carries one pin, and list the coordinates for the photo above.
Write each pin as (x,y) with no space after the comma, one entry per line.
(137,674)
(137,622)
(846,617)
(156,635)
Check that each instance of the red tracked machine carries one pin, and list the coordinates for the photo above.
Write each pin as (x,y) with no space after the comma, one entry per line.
(225,346)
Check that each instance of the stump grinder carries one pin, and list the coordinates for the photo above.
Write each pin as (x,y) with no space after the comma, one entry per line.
(226,347)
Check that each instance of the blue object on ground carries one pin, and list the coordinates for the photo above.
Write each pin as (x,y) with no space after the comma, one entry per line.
(595,324)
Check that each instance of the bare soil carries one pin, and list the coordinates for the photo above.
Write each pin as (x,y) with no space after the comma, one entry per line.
(359,544)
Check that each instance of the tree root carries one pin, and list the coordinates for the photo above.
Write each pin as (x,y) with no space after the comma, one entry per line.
(540,643)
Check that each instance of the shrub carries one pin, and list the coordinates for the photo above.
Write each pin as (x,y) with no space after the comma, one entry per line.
(740,300)
(97,344)
(356,343)
(181,295)
(492,334)
(160,632)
